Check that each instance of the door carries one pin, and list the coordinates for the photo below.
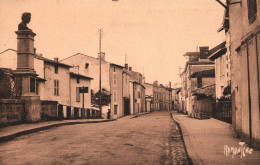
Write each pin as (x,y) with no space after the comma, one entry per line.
(126,106)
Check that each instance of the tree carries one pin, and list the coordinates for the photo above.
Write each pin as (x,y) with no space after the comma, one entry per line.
(105,97)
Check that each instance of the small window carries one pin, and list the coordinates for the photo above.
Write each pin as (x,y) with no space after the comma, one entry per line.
(56,87)
(252,10)
(77,80)
(56,69)
(77,94)
(86,65)
(114,79)
(227,65)
(114,69)
(115,109)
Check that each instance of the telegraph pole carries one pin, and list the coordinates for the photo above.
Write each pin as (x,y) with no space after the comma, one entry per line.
(100,107)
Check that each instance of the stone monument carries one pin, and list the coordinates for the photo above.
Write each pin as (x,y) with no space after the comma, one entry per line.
(25,69)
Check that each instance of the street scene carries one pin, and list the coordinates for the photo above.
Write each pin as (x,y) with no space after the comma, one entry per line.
(130,82)
(140,140)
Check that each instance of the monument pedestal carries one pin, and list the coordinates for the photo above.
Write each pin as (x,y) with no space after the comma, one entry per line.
(25,70)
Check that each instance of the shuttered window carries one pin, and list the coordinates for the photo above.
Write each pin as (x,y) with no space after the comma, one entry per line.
(252,10)
(77,95)
(56,87)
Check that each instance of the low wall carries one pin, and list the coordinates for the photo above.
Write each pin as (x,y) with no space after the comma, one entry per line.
(49,110)
(11,111)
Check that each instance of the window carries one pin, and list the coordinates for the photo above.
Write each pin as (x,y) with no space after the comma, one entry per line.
(77,94)
(252,10)
(86,65)
(199,82)
(77,80)
(114,79)
(56,69)
(114,69)
(56,87)
(115,96)
(227,65)
(115,109)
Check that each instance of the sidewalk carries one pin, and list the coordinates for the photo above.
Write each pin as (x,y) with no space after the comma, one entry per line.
(11,132)
(205,141)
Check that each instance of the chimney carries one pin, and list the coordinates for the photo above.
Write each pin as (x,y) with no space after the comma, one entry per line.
(102,56)
(204,52)
(56,59)
(126,66)
(130,68)
(170,84)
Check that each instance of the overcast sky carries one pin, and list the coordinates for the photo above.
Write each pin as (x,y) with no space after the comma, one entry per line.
(153,33)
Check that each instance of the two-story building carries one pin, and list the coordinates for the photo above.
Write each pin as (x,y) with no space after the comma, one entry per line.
(55,82)
(197,61)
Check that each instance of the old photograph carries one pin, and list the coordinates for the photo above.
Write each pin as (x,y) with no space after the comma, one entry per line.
(129,82)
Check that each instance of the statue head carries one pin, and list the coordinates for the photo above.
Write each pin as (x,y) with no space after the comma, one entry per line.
(26,17)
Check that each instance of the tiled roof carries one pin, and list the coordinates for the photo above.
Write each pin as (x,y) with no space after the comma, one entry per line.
(51,61)
(209,91)
(80,76)
(204,73)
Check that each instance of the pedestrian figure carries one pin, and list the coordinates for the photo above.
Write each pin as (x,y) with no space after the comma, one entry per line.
(108,114)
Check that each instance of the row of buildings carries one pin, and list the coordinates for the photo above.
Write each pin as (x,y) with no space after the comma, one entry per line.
(226,78)
(74,82)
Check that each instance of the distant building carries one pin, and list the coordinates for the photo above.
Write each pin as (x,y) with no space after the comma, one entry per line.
(197,61)
(222,68)
(111,79)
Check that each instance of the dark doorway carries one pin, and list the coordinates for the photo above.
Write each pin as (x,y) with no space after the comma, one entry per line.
(126,106)
(88,113)
(68,112)
(76,113)
(60,111)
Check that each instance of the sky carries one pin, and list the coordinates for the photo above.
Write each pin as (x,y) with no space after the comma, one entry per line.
(153,35)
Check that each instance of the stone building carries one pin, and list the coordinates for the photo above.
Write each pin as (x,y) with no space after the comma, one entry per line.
(197,61)
(222,68)
(148,97)
(55,82)
(243,46)
(116,87)
(162,97)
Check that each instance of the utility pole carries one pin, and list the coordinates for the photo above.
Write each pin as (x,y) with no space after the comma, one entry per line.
(100,37)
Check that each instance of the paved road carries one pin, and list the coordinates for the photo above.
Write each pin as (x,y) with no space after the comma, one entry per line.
(147,139)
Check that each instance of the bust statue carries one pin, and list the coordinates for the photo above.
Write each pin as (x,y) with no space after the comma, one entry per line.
(26,17)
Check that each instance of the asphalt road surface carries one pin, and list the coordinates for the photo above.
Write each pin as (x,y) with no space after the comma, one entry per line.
(149,139)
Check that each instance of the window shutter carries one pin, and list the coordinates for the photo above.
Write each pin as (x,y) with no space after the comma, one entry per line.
(77,94)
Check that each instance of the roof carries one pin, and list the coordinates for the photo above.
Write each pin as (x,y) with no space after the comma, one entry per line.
(204,73)
(191,54)
(79,54)
(51,61)
(198,63)
(209,91)
(80,76)
(113,64)
(218,51)
(225,22)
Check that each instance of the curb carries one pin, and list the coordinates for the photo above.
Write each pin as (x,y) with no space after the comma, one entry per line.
(181,132)
(33,130)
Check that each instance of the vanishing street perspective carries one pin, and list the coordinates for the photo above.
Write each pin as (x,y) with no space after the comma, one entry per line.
(129,82)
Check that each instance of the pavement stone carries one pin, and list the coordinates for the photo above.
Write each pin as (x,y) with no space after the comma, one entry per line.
(205,141)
